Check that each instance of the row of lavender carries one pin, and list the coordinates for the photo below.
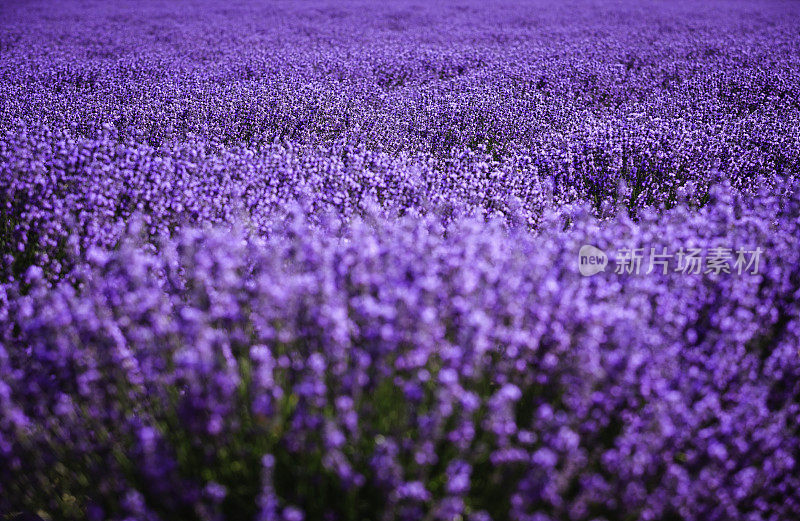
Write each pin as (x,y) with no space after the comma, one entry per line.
(200,114)
(54,187)
(319,261)
(682,79)
(388,370)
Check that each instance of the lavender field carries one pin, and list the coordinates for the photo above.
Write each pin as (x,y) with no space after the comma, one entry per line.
(473,260)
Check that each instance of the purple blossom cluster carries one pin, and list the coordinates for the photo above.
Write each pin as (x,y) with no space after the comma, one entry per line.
(386,369)
(319,261)
(202,114)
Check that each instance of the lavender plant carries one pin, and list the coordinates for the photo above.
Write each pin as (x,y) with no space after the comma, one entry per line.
(319,261)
